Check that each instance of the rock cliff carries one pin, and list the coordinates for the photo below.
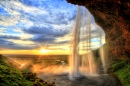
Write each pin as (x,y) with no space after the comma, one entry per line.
(114,18)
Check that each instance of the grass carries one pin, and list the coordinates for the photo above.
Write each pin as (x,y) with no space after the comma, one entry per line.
(122,70)
(10,76)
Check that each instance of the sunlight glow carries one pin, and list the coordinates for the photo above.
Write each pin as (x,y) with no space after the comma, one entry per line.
(22,65)
(43,51)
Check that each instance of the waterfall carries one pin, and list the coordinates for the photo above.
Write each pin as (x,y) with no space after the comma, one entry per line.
(81,64)
(74,58)
(88,65)
(102,54)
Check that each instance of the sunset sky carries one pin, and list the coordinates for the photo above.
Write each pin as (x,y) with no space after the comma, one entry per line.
(27,26)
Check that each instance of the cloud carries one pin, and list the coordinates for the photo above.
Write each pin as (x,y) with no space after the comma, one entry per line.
(10,44)
(35,21)
(56,12)
(5,43)
(15,42)
(45,34)
(2,30)
(9,37)
(45,30)
(63,42)
(19,13)
(43,39)
(26,23)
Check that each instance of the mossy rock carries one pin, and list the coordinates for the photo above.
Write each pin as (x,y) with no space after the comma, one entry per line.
(122,70)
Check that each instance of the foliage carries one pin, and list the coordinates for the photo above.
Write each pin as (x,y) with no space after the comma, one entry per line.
(12,77)
(122,70)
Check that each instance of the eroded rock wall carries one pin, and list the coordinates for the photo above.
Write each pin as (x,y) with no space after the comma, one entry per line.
(114,18)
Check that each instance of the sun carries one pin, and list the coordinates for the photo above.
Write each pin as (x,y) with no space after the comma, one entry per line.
(43,51)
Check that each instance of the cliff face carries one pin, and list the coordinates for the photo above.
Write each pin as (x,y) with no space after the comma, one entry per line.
(114,18)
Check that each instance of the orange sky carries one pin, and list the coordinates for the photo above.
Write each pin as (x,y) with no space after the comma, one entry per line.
(46,50)
(35,52)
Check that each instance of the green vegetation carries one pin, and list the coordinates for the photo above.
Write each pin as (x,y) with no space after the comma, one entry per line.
(9,76)
(122,70)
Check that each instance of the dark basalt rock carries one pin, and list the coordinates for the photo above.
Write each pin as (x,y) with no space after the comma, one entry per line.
(114,18)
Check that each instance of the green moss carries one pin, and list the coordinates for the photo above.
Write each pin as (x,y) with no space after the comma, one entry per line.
(13,77)
(122,71)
